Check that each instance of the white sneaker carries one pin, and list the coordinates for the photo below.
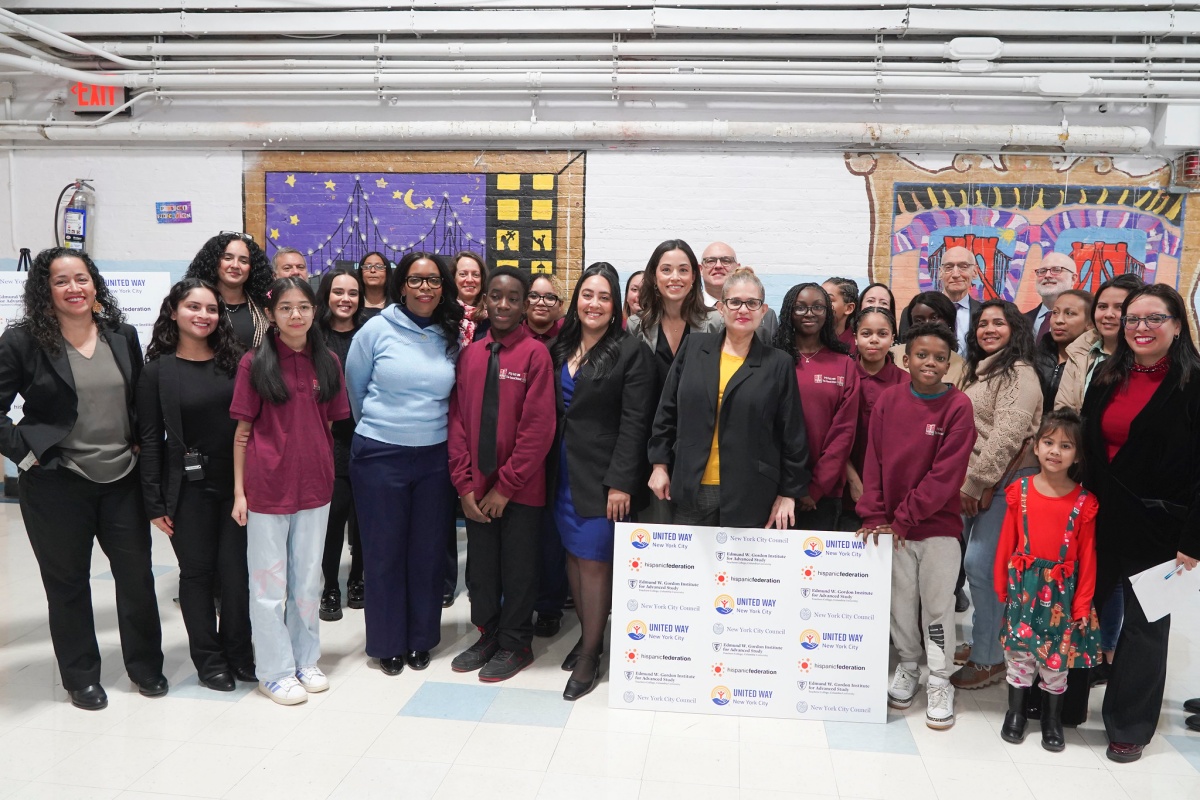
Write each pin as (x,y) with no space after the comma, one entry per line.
(285,691)
(312,679)
(904,687)
(940,712)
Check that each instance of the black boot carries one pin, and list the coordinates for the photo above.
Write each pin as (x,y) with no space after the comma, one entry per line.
(1013,729)
(1052,732)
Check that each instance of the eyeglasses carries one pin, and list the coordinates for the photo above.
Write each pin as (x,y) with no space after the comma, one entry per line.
(543,299)
(245,236)
(736,303)
(712,261)
(415,281)
(1042,272)
(816,311)
(304,310)
(374,268)
(1153,321)
(958,267)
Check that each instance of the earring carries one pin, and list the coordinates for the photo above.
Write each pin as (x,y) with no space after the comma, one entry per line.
(97,308)
(403,297)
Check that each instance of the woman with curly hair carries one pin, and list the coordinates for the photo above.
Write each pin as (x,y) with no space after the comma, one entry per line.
(241,272)
(187,475)
(76,363)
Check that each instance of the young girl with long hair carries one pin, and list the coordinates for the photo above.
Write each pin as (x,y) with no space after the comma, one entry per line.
(288,394)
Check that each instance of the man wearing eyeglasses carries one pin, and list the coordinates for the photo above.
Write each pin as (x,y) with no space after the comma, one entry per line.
(1055,275)
(289,263)
(957,273)
(716,264)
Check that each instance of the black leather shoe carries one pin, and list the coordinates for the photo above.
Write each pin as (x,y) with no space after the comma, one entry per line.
(1192,706)
(89,698)
(221,682)
(577,689)
(1124,752)
(448,599)
(355,594)
(961,601)
(1192,723)
(392,666)
(1013,729)
(417,659)
(1052,731)
(572,658)
(331,606)
(153,687)
(245,674)
(547,625)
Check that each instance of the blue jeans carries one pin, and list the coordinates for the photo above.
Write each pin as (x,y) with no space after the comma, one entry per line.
(283,552)
(982,534)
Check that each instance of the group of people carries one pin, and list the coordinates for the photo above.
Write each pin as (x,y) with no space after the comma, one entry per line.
(271,421)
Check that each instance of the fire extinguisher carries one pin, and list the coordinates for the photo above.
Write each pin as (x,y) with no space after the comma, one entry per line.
(78,215)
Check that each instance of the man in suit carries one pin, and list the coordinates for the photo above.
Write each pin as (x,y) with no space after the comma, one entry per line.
(958,269)
(1055,275)
(716,264)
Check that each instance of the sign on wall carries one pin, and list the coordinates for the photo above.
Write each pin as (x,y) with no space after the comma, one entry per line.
(750,622)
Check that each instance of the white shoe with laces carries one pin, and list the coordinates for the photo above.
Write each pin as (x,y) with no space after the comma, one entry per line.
(312,679)
(940,712)
(285,691)
(904,687)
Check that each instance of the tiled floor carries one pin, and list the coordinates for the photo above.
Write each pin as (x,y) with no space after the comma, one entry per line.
(435,734)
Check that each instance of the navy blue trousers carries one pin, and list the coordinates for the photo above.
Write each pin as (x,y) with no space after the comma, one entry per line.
(403,496)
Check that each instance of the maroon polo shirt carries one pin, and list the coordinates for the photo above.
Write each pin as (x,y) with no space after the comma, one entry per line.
(289,459)
(829,399)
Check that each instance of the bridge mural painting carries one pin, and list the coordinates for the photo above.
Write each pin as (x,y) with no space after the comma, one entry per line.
(1010,211)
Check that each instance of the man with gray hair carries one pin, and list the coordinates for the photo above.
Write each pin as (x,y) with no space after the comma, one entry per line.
(718,263)
(1055,275)
(289,263)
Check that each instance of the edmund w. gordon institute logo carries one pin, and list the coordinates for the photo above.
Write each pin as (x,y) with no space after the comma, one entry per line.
(810,639)
(813,546)
(640,538)
(636,630)
(723,604)
(720,695)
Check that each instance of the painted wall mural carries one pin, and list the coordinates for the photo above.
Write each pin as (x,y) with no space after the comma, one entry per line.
(1012,210)
(517,209)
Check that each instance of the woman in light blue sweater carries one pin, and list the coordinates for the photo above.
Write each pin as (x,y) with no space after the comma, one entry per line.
(399,374)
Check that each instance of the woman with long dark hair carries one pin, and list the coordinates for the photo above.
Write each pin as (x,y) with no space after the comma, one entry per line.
(375,280)
(1005,391)
(1141,444)
(400,371)
(605,379)
(186,462)
(76,364)
(828,381)
(242,273)
(339,316)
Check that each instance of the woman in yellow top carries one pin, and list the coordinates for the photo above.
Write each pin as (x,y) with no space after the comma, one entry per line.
(734,452)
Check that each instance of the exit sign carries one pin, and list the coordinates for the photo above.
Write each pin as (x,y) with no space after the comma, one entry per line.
(88,98)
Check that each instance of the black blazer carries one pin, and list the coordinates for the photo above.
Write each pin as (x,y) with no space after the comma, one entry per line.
(764,450)
(48,387)
(1150,493)
(606,428)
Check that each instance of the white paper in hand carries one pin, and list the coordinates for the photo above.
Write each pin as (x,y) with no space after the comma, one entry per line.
(1165,588)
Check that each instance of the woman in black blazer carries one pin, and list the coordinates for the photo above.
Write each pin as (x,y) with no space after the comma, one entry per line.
(748,470)
(186,434)
(605,379)
(76,363)
(1141,446)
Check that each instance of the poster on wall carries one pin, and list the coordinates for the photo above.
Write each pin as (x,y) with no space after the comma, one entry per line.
(750,622)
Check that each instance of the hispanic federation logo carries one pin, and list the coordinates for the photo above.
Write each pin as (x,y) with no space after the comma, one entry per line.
(640,538)
(722,578)
(813,546)
(804,665)
(718,669)
(807,572)
(631,656)
(723,604)
(635,565)
(810,639)
(720,695)
(636,630)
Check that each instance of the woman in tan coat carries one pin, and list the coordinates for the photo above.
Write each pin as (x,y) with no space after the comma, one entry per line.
(1093,347)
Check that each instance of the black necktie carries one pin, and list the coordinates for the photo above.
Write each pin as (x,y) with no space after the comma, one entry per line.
(490,412)
(1045,326)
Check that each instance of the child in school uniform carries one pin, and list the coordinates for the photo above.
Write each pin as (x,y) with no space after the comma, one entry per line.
(1046,574)
(918,447)
(287,395)
(502,423)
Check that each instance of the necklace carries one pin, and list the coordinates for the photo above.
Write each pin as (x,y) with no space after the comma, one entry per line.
(808,357)
(1162,365)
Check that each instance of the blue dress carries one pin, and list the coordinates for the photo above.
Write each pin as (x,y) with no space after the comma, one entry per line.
(584,537)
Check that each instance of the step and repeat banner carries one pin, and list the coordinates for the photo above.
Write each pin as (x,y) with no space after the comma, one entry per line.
(750,622)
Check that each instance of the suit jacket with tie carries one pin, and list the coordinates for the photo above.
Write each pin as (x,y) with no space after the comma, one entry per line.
(48,387)
(764,452)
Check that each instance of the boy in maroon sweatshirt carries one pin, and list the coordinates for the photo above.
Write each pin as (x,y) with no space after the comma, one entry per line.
(502,418)
(918,445)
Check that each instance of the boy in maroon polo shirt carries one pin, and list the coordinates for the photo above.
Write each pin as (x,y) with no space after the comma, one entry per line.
(918,445)
(502,419)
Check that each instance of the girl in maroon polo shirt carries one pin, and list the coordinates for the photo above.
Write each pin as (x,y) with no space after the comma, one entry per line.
(288,394)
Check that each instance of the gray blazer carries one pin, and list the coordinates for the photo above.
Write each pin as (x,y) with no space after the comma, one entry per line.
(713,323)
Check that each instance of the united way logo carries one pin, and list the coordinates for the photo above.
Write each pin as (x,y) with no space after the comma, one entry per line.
(718,669)
(632,605)
(640,539)
(720,695)
(722,578)
(635,565)
(805,613)
(636,630)
(723,604)
(801,707)
(813,546)
(810,639)
(722,537)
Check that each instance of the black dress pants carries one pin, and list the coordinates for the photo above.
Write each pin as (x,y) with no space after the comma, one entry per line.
(505,557)
(211,548)
(1133,698)
(63,513)
(343,516)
